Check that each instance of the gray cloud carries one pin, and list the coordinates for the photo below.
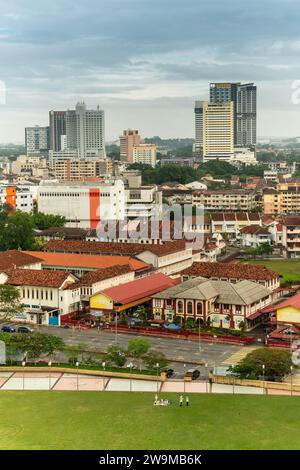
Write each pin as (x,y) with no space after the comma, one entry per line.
(145,61)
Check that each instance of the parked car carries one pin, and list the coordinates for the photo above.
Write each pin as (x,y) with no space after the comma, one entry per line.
(8,329)
(25,329)
(169,373)
(193,374)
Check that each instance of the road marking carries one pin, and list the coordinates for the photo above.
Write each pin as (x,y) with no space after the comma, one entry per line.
(239,355)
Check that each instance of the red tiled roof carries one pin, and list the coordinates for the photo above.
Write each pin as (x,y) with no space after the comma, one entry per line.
(101,274)
(37,277)
(255,230)
(293,301)
(281,332)
(77,246)
(249,272)
(74,260)
(291,221)
(140,288)
(15,258)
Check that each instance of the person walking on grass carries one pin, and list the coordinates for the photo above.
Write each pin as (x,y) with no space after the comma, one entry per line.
(187,401)
(181,400)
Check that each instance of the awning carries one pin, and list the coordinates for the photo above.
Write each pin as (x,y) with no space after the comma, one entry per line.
(255,315)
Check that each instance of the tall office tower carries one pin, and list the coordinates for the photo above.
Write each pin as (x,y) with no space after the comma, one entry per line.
(36,139)
(243,97)
(90,131)
(71,129)
(128,140)
(57,124)
(246,115)
(217,130)
(199,128)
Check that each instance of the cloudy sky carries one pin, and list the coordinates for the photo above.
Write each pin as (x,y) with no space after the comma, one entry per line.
(146,61)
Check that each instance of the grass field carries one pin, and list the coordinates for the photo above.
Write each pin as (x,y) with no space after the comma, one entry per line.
(289,269)
(95,420)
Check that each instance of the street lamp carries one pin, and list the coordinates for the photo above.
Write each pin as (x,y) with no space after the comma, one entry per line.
(23,365)
(77,384)
(263,370)
(49,364)
(291,368)
(103,378)
(232,380)
(184,366)
(199,335)
(116,328)
(157,369)
(130,365)
(206,376)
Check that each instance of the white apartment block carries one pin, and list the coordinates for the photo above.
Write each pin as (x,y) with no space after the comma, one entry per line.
(17,198)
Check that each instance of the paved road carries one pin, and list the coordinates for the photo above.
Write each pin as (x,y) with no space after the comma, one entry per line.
(176,349)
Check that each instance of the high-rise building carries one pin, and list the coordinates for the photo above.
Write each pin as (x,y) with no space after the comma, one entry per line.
(145,154)
(199,128)
(214,130)
(90,131)
(77,133)
(57,124)
(243,97)
(128,140)
(36,140)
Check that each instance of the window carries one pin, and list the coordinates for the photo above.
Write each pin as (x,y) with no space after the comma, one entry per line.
(179,306)
(190,308)
(199,308)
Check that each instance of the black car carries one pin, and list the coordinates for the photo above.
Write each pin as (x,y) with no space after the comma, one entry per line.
(8,329)
(169,373)
(194,374)
(25,329)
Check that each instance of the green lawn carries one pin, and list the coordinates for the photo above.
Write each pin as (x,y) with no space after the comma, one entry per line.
(289,269)
(113,420)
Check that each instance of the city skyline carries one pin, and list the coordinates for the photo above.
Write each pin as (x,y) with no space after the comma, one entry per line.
(147,62)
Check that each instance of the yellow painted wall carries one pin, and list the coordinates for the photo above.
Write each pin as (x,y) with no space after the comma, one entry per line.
(288,314)
(101,301)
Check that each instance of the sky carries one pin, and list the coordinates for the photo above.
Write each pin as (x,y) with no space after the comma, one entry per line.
(146,61)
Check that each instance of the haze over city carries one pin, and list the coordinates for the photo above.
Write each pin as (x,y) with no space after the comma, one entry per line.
(145,62)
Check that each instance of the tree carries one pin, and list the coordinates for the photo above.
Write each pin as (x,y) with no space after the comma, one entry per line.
(74,353)
(10,302)
(141,313)
(155,357)
(40,344)
(277,364)
(115,356)
(16,232)
(43,221)
(137,348)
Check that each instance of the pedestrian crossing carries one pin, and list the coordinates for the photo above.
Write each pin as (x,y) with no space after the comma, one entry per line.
(239,355)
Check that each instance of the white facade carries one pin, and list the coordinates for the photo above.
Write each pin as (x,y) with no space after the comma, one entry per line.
(83,204)
(145,154)
(143,201)
(18,198)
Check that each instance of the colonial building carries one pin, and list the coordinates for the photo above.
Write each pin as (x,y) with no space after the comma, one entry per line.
(168,257)
(233,272)
(46,295)
(220,304)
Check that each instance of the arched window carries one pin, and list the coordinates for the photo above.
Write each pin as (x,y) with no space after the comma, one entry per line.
(179,306)
(190,308)
(199,308)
